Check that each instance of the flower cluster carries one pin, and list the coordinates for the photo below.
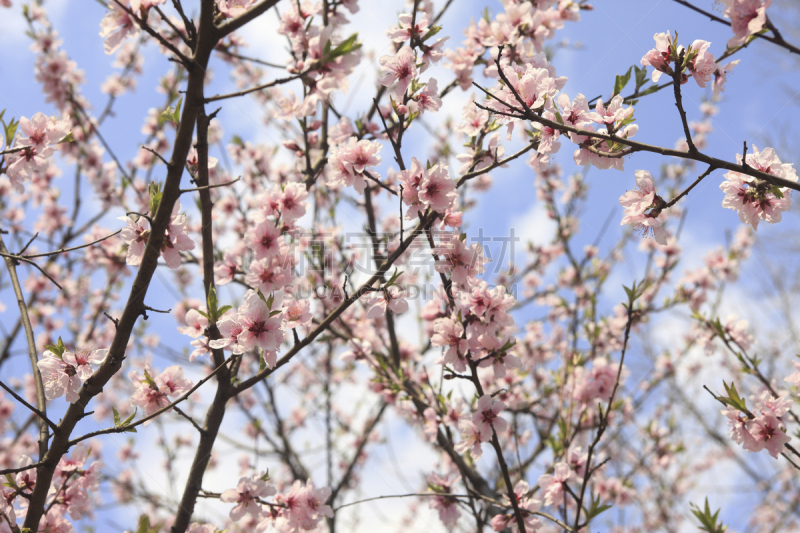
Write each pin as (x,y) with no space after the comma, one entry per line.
(299,509)
(761,431)
(64,371)
(643,207)
(176,238)
(40,135)
(755,199)
(153,394)
(697,59)
(256,324)
(350,161)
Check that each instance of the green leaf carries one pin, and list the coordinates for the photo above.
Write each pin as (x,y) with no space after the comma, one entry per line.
(649,90)
(144,524)
(68,138)
(212,299)
(176,116)
(222,310)
(595,508)
(707,520)
(116,416)
(343,48)
(149,380)
(130,418)
(396,274)
(171,114)
(155,193)
(640,76)
(275,312)
(431,32)
(10,129)
(262,363)
(621,81)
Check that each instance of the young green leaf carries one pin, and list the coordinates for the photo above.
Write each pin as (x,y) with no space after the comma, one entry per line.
(621,81)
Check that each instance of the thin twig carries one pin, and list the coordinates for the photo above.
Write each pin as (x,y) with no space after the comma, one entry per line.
(273,83)
(64,250)
(41,401)
(184,191)
(22,400)
(184,396)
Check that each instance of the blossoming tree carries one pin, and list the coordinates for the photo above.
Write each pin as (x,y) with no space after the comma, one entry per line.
(269,319)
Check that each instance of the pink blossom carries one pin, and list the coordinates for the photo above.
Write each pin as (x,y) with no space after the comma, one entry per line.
(427,99)
(794,378)
(176,238)
(348,161)
(258,327)
(436,189)
(401,68)
(660,57)
(747,17)
(753,199)
(233,8)
(553,485)
(402,32)
(297,313)
(116,26)
(304,507)
(293,201)
(473,119)
(721,76)
(611,114)
(264,239)
(40,135)
(195,324)
(458,260)
(641,199)
(470,439)
(528,506)
(246,495)
(431,424)
(64,374)
(449,333)
(154,394)
(410,180)
(703,65)
(229,329)
(576,113)
(767,432)
(447,506)
(391,298)
(487,419)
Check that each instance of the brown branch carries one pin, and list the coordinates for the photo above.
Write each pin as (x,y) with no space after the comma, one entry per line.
(64,250)
(496,164)
(128,427)
(642,147)
(24,402)
(135,302)
(204,187)
(690,187)
(41,401)
(777,39)
(216,412)
(234,24)
(273,83)
(677,75)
